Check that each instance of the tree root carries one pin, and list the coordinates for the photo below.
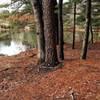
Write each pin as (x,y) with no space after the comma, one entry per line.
(47,66)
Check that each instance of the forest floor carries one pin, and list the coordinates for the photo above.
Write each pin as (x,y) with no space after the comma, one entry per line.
(75,79)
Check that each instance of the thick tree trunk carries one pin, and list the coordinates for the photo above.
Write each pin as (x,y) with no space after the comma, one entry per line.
(74,26)
(88,21)
(61,40)
(49,30)
(38,14)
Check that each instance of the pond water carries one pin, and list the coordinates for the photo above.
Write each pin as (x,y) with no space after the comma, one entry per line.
(14,43)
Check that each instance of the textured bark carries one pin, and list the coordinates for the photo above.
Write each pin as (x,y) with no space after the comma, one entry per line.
(56,21)
(38,14)
(61,40)
(50,39)
(74,27)
(88,21)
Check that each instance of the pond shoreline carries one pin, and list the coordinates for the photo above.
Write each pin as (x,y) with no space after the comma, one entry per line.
(14,43)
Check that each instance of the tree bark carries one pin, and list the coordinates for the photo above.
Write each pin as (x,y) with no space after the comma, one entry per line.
(38,14)
(74,26)
(49,30)
(91,33)
(60,21)
(56,21)
(88,21)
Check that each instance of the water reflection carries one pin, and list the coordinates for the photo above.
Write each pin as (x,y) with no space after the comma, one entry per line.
(12,49)
(16,43)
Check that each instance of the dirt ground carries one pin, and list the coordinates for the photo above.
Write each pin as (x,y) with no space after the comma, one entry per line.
(75,79)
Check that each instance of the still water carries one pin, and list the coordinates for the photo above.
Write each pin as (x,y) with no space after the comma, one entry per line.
(14,43)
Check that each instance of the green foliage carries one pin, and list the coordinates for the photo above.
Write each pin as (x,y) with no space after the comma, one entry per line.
(4,15)
(80,19)
(96,22)
(75,1)
(16,24)
(31,39)
(27,9)
(4,5)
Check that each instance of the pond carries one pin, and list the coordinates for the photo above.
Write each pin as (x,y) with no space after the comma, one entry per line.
(14,43)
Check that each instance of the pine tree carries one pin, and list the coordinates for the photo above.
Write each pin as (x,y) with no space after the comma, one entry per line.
(50,39)
(38,15)
(61,40)
(88,21)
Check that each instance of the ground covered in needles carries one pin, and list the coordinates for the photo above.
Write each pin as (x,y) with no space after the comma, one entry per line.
(73,79)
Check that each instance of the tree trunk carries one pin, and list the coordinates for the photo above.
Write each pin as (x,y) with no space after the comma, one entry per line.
(88,21)
(38,13)
(91,33)
(56,21)
(61,40)
(49,30)
(74,26)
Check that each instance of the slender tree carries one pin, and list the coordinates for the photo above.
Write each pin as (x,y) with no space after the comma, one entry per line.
(60,21)
(74,26)
(50,39)
(56,21)
(91,30)
(88,21)
(38,14)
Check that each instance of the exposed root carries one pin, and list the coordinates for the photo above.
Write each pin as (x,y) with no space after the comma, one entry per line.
(48,66)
